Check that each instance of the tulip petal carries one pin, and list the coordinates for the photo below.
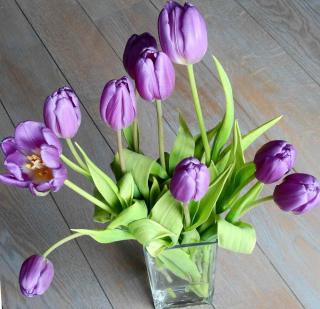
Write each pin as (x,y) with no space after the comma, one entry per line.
(10,180)
(8,145)
(50,156)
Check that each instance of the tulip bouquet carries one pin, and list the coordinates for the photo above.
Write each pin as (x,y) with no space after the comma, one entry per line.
(177,206)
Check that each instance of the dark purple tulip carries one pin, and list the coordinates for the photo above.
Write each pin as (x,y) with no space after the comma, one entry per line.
(273,160)
(118,103)
(182,33)
(298,193)
(134,47)
(190,180)
(32,158)
(36,275)
(62,113)
(155,76)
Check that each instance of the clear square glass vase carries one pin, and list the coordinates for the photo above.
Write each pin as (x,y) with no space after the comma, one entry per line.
(183,275)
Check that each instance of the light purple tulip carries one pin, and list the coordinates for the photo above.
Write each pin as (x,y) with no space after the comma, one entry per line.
(190,180)
(62,113)
(134,47)
(32,158)
(182,33)
(36,275)
(155,76)
(118,103)
(298,193)
(273,160)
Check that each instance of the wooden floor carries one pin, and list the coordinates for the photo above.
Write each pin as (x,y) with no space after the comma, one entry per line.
(271,51)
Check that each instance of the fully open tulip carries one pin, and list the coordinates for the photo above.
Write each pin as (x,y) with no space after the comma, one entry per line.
(134,47)
(62,113)
(273,160)
(190,180)
(182,33)
(298,193)
(32,158)
(155,76)
(35,276)
(118,103)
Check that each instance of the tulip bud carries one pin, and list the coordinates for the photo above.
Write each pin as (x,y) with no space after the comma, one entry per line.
(190,180)
(118,103)
(134,47)
(273,160)
(35,276)
(298,193)
(155,76)
(62,113)
(182,33)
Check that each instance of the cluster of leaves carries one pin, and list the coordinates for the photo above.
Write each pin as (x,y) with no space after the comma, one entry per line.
(144,209)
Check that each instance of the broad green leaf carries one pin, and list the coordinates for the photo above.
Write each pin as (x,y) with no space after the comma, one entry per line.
(183,146)
(237,156)
(135,212)
(247,140)
(104,184)
(208,202)
(190,237)
(154,191)
(243,201)
(199,149)
(227,122)
(100,215)
(193,208)
(128,135)
(213,172)
(210,234)
(105,236)
(126,187)
(238,237)
(168,212)
(141,168)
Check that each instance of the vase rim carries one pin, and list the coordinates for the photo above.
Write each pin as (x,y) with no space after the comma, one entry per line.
(194,244)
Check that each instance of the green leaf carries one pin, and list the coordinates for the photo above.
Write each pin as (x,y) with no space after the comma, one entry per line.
(105,236)
(183,146)
(208,202)
(154,191)
(243,201)
(128,135)
(168,212)
(227,122)
(210,234)
(104,184)
(100,215)
(141,168)
(237,156)
(213,172)
(190,237)
(126,187)
(199,149)
(238,237)
(133,213)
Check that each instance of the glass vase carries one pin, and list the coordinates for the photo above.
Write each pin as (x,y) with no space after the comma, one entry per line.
(183,275)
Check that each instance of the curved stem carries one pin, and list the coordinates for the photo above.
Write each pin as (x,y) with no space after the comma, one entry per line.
(74,166)
(160,134)
(260,201)
(186,214)
(198,110)
(120,151)
(136,136)
(88,196)
(75,153)
(61,242)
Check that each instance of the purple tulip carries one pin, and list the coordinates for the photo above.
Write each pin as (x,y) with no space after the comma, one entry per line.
(62,113)
(298,193)
(182,33)
(118,103)
(155,76)
(190,180)
(273,160)
(36,275)
(32,158)
(134,47)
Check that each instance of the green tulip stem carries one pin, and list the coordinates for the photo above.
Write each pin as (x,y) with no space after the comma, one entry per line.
(186,214)
(135,135)
(261,200)
(75,153)
(74,166)
(61,242)
(198,110)
(160,133)
(120,151)
(88,196)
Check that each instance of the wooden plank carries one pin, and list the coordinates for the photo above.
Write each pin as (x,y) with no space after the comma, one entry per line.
(279,288)
(29,227)
(268,82)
